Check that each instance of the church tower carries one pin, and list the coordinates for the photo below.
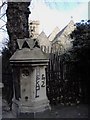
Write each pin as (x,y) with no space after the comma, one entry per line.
(34,29)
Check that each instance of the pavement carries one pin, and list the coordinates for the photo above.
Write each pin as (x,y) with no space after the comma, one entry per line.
(58,111)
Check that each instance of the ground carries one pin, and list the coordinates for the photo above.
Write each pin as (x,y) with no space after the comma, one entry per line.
(58,111)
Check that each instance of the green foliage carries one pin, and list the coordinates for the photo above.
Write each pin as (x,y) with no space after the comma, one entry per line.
(80,55)
(68,73)
(81,35)
(81,43)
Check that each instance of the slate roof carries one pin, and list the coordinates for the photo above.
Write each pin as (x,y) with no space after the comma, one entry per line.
(54,33)
(60,33)
(41,36)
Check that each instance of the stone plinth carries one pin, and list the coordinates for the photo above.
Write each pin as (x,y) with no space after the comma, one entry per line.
(29,79)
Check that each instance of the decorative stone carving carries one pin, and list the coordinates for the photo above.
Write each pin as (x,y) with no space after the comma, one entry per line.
(25,72)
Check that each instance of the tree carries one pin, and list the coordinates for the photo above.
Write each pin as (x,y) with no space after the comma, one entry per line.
(17,27)
(17,22)
(80,54)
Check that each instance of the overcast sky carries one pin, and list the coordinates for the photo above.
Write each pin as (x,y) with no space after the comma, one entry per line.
(52,13)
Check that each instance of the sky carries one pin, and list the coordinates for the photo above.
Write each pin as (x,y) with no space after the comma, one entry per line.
(52,13)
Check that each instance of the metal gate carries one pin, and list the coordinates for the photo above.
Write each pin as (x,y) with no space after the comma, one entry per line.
(62,87)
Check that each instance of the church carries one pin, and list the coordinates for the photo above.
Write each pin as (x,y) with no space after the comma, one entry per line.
(57,40)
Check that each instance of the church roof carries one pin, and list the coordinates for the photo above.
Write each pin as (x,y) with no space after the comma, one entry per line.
(60,33)
(42,35)
(54,33)
(71,23)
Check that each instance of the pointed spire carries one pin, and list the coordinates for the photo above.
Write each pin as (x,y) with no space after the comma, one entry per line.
(71,17)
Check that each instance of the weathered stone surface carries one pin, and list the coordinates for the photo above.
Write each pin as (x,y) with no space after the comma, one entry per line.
(30,43)
(29,55)
(31,80)
(34,29)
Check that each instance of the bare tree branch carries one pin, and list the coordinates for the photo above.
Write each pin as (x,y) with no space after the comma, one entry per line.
(2,5)
(3,29)
(3,20)
(2,26)
(2,15)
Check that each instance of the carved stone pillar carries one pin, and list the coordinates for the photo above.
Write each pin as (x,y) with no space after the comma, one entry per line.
(31,88)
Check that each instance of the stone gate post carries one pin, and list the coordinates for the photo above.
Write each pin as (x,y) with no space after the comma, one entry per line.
(28,64)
